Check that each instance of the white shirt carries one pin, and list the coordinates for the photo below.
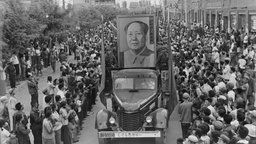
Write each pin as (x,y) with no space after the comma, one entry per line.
(15,60)
(226,72)
(58,124)
(231,94)
(61,94)
(216,57)
(242,63)
(232,79)
(4,136)
(64,116)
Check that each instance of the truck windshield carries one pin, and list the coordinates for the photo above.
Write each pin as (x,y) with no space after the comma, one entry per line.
(135,83)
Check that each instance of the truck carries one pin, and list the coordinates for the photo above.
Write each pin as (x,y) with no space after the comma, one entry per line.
(137,114)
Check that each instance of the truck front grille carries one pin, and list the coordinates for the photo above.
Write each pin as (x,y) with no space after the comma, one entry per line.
(131,121)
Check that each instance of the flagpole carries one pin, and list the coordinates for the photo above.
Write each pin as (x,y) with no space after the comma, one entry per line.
(103,64)
(173,100)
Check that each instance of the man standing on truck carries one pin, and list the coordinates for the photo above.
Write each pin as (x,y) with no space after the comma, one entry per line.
(185,111)
(138,54)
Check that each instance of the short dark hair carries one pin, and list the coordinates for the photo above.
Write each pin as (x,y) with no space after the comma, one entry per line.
(57,98)
(18,106)
(242,131)
(143,25)
(49,78)
(48,98)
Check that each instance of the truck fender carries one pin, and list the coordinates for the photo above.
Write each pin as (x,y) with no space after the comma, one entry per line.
(161,116)
(102,117)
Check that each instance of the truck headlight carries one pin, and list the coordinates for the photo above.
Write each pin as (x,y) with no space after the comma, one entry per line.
(149,119)
(112,120)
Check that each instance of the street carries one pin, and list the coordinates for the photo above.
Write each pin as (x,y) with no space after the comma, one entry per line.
(88,133)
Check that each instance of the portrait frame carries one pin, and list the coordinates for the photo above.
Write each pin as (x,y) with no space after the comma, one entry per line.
(122,22)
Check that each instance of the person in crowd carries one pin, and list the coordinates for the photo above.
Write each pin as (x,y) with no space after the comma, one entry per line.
(36,119)
(19,111)
(58,124)
(14,59)
(185,111)
(11,107)
(11,71)
(48,127)
(66,135)
(2,80)
(32,88)
(53,60)
(5,134)
(4,113)
(22,132)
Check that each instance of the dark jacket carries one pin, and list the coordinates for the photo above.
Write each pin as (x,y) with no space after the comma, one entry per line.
(35,120)
(22,133)
(32,87)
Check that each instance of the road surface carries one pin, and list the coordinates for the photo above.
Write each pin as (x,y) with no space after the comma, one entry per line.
(89,133)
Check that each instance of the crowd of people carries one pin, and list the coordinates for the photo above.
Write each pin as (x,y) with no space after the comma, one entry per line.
(67,99)
(214,72)
(215,76)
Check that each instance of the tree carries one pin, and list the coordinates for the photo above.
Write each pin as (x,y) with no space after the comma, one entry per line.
(88,17)
(18,27)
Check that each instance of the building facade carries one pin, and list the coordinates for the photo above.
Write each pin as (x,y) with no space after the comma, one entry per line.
(225,14)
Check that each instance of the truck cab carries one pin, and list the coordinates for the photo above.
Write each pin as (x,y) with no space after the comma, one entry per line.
(139,116)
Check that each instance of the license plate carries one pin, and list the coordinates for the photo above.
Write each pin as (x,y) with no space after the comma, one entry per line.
(129,134)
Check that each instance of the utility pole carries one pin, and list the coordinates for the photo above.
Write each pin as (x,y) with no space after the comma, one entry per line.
(186,12)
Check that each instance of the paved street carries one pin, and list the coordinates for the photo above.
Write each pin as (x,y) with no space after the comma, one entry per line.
(23,95)
(89,133)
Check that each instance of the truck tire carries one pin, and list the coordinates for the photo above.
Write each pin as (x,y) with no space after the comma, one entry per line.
(162,139)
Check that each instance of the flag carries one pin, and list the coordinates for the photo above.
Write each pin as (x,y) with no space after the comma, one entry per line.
(173,99)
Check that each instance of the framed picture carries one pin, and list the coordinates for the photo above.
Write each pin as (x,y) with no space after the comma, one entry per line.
(136,41)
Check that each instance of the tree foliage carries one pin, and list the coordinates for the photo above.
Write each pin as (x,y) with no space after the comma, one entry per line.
(88,17)
(18,27)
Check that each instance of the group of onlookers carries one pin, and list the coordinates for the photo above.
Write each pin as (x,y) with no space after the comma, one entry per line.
(215,76)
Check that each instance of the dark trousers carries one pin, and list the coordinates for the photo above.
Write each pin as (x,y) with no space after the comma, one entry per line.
(34,99)
(66,136)
(251,100)
(53,64)
(37,136)
(12,80)
(185,127)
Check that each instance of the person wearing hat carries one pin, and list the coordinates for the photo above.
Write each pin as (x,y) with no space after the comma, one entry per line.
(185,111)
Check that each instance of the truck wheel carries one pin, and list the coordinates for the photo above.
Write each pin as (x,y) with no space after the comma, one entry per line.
(162,139)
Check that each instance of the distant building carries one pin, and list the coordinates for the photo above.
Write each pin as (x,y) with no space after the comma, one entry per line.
(224,14)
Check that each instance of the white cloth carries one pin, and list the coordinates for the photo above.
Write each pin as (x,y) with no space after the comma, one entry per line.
(64,116)
(56,117)
(226,72)
(242,63)
(61,94)
(5,134)
(11,108)
(231,94)
(15,60)
(232,79)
